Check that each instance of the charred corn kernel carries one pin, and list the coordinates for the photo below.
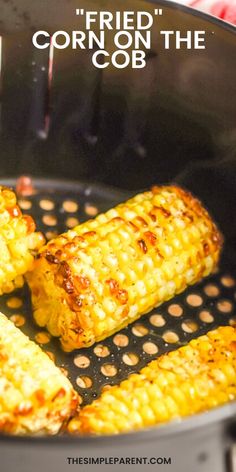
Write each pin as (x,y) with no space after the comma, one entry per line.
(18,240)
(35,397)
(207,380)
(137,256)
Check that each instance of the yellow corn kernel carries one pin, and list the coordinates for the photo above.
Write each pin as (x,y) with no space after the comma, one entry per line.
(35,396)
(16,243)
(207,380)
(136,255)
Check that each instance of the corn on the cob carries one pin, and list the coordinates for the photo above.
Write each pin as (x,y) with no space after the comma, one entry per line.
(195,378)
(35,396)
(102,275)
(17,241)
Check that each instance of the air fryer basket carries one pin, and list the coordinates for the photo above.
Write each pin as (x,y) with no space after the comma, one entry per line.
(118,132)
(57,206)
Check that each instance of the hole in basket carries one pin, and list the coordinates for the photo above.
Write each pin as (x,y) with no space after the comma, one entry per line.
(150,348)
(18,320)
(14,302)
(211,290)
(139,330)
(49,220)
(194,300)
(25,204)
(46,204)
(51,355)
(42,337)
(227,281)
(90,210)
(101,351)
(206,316)
(84,381)
(129,358)
(189,326)
(121,340)
(71,222)
(170,337)
(51,234)
(81,361)
(232,322)
(157,320)
(70,206)
(109,370)
(175,310)
(225,306)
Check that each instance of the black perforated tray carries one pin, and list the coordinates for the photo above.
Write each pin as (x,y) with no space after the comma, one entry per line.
(59,205)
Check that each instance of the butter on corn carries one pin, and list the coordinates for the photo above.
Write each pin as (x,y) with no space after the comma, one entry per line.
(95,279)
(18,240)
(192,379)
(35,396)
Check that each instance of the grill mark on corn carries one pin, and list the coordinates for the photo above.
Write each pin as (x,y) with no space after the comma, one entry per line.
(40,395)
(23,409)
(140,220)
(117,219)
(60,394)
(51,258)
(151,237)
(14,211)
(152,216)
(63,277)
(120,294)
(188,215)
(90,235)
(68,286)
(3,356)
(162,210)
(206,248)
(76,328)
(29,223)
(76,303)
(143,246)
(83,281)
(113,285)
(133,226)
(70,247)
(64,270)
